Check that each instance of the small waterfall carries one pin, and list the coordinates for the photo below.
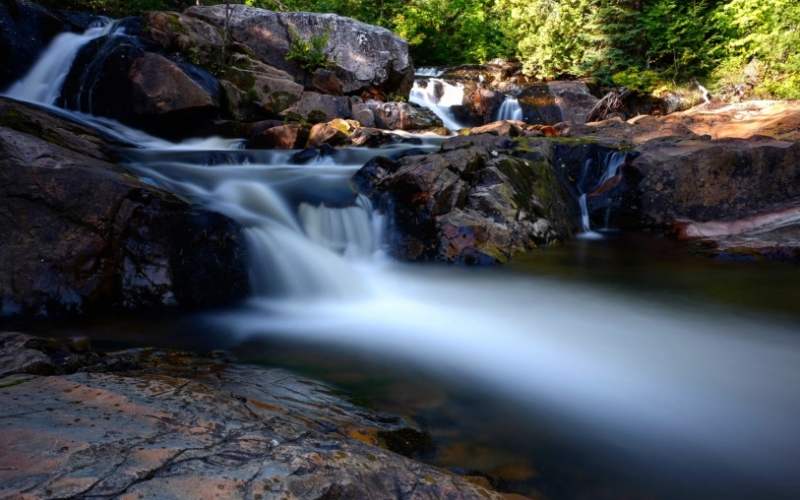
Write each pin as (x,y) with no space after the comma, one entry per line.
(347,231)
(43,82)
(610,168)
(509,110)
(429,72)
(439,96)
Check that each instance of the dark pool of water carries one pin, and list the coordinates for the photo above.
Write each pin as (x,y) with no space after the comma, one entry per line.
(477,429)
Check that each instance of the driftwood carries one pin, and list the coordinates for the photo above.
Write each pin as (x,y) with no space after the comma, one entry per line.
(613,101)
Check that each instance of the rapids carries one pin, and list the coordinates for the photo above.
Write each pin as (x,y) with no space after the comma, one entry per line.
(690,401)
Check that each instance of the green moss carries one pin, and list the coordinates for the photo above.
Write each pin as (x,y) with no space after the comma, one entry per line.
(317,116)
(252,94)
(281,101)
(3,385)
(15,119)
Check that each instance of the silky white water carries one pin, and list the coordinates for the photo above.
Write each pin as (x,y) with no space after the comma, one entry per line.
(509,109)
(439,96)
(699,394)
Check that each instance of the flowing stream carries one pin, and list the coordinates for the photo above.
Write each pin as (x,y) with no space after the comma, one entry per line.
(672,399)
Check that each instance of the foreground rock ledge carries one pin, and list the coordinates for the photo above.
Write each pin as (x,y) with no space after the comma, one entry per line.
(196,429)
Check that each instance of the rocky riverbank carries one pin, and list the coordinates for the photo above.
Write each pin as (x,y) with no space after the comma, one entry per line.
(148,423)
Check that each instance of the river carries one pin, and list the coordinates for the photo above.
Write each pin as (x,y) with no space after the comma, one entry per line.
(614,367)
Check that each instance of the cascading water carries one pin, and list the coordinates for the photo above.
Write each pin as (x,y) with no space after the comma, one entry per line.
(509,109)
(439,96)
(610,168)
(637,385)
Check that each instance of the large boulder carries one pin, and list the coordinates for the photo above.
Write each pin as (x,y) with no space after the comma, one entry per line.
(554,102)
(118,77)
(81,234)
(471,203)
(403,116)
(365,56)
(26,29)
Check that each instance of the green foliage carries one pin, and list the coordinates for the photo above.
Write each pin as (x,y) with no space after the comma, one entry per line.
(309,55)
(638,80)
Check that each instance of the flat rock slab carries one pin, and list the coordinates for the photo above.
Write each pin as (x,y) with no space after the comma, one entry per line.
(201,432)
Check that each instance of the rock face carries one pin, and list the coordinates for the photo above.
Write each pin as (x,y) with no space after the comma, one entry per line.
(473,203)
(181,427)
(25,31)
(551,103)
(116,77)
(365,56)
(81,234)
(403,116)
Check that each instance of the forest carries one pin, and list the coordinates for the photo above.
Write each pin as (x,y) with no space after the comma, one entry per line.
(748,47)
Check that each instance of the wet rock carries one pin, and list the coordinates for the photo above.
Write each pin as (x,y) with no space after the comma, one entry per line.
(316,108)
(182,426)
(503,127)
(365,56)
(323,133)
(26,29)
(116,77)
(291,136)
(370,138)
(81,234)
(404,116)
(771,234)
(470,203)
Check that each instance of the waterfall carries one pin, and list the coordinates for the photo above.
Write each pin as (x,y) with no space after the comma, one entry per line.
(509,110)
(429,72)
(610,168)
(439,96)
(43,82)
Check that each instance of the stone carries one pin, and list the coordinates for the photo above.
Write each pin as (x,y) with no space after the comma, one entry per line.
(370,138)
(115,77)
(503,127)
(365,56)
(404,116)
(176,425)
(315,108)
(18,359)
(291,136)
(323,133)
(83,235)
(469,204)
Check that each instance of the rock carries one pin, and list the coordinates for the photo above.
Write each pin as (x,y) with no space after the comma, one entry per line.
(16,358)
(365,56)
(260,90)
(179,426)
(292,136)
(470,203)
(322,133)
(316,108)
(479,105)
(116,77)
(26,29)
(503,127)
(361,112)
(404,116)
(325,81)
(772,234)
(81,234)
(554,102)
(713,180)
(370,138)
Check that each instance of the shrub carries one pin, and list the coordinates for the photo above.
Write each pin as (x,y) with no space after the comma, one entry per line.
(309,55)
